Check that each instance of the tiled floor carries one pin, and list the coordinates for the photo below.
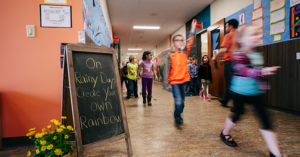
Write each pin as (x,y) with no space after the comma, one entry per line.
(154,133)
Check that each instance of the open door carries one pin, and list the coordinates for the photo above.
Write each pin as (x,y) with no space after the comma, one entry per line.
(215,35)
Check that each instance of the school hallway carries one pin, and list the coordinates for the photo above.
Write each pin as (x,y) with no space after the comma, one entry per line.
(154,133)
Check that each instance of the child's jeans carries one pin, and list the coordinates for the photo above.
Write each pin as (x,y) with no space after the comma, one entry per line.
(179,97)
(147,85)
(132,88)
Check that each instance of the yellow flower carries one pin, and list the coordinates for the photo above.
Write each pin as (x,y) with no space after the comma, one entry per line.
(31,133)
(49,126)
(52,120)
(30,137)
(37,151)
(69,127)
(59,130)
(66,136)
(29,153)
(39,135)
(57,151)
(72,129)
(51,132)
(55,137)
(32,129)
(43,148)
(63,117)
(43,142)
(49,147)
(43,130)
(63,126)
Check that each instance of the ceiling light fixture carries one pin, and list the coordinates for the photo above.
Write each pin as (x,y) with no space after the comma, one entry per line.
(145,27)
(134,49)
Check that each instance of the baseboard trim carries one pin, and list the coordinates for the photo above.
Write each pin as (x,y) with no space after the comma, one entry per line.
(297,113)
(23,141)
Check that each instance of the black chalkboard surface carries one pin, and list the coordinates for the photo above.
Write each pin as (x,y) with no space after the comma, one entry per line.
(97,97)
(93,97)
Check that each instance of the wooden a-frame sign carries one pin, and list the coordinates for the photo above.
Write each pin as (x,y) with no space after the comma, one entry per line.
(72,105)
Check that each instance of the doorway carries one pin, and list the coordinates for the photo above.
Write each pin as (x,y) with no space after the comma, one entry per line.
(215,35)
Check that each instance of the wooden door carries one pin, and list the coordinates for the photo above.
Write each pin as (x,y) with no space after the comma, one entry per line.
(217,87)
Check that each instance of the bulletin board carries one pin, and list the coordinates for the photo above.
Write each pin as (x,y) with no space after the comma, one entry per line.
(273,16)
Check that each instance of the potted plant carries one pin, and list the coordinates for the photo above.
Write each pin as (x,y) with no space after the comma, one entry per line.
(52,142)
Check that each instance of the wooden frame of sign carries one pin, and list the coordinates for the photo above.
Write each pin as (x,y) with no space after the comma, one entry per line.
(70,99)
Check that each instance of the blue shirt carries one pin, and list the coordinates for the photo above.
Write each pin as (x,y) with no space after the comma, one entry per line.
(193,70)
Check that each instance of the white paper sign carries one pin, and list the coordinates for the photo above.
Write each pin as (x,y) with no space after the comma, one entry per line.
(277,37)
(277,15)
(56,1)
(55,16)
(261,33)
(256,4)
(276,4)
(242,19)
(260,42)
(294,2)
(298,55)
(277,28)
(257,13)
(258,23)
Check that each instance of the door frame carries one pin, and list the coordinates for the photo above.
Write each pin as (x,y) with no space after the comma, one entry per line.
(218,85)
(199,46)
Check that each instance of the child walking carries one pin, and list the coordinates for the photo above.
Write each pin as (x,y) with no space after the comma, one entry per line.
(176,71)
(132,75)
(193,70)
(247,86)
(147,78)
(204,75)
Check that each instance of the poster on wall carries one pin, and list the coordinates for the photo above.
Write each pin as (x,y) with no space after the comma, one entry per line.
(277,16)
(258,22)
(295,21)
(277,28)
(294,2)
(242,19)
(94,23)
(276,4)
(256,4)
(55,16)
(257,13)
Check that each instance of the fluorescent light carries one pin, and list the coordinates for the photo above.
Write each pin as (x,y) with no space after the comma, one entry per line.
(145,27)
(128,54)
(134,49)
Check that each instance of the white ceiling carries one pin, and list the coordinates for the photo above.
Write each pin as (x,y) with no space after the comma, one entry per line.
(169,15)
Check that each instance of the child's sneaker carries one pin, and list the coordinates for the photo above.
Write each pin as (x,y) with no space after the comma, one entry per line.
(207,98)
(201,95)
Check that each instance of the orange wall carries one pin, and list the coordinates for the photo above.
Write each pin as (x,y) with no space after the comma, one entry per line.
(30,73)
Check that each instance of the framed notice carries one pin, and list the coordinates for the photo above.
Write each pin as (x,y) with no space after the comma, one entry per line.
(257,13)
(276,4)
(56,16)
(259,22)
(277,16)
(56,1)
(242,19)
(256,4)
(277,28)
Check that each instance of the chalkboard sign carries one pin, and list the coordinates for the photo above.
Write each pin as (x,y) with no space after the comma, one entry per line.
(97,97)
(98,111)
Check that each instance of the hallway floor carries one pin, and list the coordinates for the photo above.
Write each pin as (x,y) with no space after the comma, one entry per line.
(154,133)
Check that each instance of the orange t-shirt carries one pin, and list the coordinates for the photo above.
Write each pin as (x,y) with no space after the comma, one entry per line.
(230,43)
(179,72)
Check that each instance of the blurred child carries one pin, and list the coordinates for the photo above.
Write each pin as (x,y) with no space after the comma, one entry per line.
(132,75)
(246,87)
(147,78)
(188,86)
(193,70)
(204,75)
(176,71)
(124,75)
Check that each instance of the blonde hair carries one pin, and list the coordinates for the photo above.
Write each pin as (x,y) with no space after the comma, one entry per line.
(131,58)
(177,35)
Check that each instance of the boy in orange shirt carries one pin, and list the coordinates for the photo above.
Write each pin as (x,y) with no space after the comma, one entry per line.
(176,71)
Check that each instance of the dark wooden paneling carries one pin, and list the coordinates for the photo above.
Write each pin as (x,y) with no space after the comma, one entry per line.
(297,83)
(264,50)
(285,86)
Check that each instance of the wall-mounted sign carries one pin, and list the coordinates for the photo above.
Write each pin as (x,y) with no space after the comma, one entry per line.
(56,1)
(199,25)
(257,13)
(242,19)
(56,16)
